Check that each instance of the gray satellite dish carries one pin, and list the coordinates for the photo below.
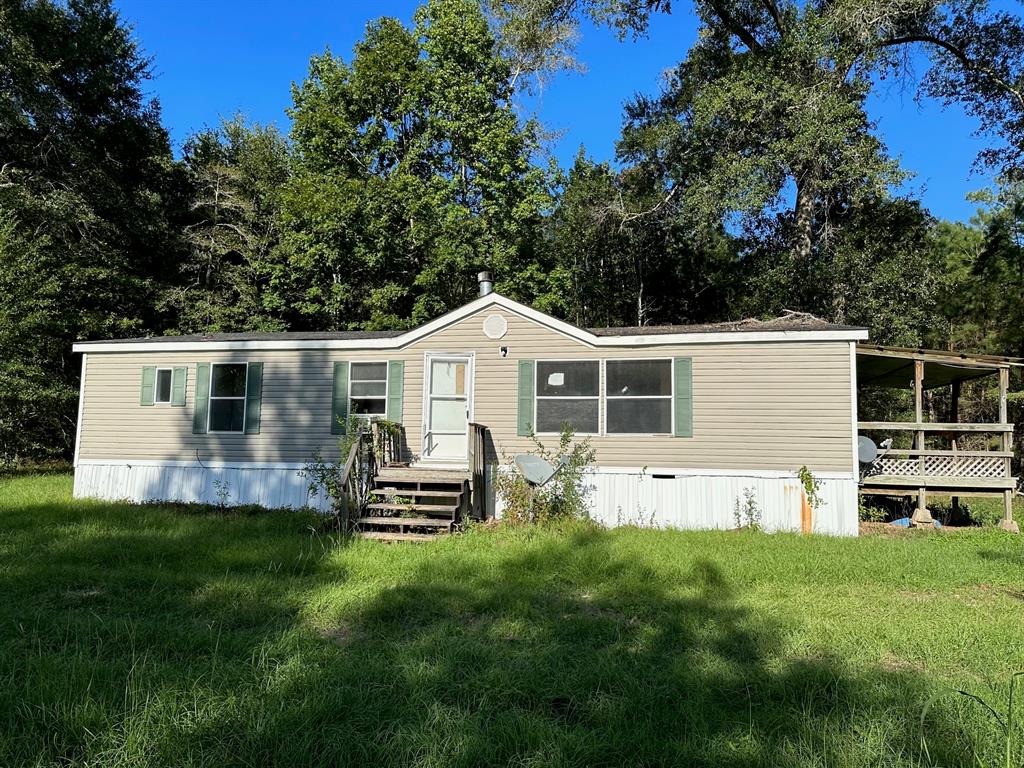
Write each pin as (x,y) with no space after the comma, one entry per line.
(537,472)
(534,469)
(867,451)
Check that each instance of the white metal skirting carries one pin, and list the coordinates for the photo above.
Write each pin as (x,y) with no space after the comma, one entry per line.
(268,486)
(706,499)
(664,498)
(700,501)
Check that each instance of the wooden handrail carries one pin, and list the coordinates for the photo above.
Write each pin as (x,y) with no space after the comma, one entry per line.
(357,475)
(929,426)
(916,452)
(477,459)
(353,454)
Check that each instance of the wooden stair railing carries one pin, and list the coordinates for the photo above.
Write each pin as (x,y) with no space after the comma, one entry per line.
(477,470)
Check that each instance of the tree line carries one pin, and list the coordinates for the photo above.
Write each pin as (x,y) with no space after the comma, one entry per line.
(748,182)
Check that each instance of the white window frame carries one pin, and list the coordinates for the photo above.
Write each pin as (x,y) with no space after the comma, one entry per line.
(156,387)
(387,389)
(244,398)
(671,396)
(537,397)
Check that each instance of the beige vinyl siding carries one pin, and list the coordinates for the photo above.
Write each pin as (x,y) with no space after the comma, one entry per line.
(761,405)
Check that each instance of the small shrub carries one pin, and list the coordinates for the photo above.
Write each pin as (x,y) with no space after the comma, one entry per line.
(223,492)
(563,497)
(747,513)
(871,513)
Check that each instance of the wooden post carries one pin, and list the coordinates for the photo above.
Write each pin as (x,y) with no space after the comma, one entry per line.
(954,418)
(1006,442)
(921,515)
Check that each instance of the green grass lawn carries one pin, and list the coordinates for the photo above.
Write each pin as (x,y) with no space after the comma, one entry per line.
(154,636)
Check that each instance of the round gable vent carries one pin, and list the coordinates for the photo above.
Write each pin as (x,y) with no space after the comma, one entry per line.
(495,326)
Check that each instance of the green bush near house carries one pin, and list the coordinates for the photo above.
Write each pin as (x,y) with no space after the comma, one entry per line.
(158,635)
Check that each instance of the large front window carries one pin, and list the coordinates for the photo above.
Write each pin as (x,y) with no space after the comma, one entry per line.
(368,389)
(227,397)
(638,397)
(568,393)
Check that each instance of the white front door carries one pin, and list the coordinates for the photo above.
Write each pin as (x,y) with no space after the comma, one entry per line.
(448,402)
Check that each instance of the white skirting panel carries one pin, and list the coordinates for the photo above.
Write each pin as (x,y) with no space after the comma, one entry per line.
(703,499)
(662,498)
(268,486)
(694,499)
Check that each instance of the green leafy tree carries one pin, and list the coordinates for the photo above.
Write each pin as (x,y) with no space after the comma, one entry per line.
(236,173)
(87,194)
(615,266)
(769,104)
(412,171)
(982,298)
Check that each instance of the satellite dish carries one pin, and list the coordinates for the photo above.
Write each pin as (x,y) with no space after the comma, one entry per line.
(867,451)
(534,469)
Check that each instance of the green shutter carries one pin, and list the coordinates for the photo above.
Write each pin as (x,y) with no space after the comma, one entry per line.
(178,376)
(202,398)
(339,399)
(253,398)
(524,424)
(396,385)
(683,396)
(148,394)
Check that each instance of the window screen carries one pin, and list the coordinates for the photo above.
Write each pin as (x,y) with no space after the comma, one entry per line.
(568,393)
(163,385)
(368,389)
(227,397)
(638,397)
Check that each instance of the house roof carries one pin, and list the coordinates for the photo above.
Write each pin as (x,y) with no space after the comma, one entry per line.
(199,338)
(791,322)
(794,326)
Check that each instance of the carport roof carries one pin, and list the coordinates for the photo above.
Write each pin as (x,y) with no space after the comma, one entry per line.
(881,366)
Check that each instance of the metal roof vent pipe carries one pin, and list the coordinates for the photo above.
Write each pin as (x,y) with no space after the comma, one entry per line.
(486,283)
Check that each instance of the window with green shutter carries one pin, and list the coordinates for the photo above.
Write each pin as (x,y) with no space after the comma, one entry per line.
(162,386)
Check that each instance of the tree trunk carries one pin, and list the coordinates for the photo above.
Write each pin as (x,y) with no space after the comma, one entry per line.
(804,219)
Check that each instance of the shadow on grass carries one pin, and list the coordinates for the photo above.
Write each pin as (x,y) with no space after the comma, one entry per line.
(224,642)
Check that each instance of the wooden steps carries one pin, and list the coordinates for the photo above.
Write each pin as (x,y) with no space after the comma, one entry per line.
(430,509)
(403,522)
(418,475)
(414,504)
(416,492)
(387,536)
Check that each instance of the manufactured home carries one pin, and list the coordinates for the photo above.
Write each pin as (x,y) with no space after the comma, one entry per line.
(687,421)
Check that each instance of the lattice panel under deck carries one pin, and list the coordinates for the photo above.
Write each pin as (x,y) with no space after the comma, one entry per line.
(992,467)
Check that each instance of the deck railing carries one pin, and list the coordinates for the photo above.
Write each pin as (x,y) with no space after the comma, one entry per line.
(952,468)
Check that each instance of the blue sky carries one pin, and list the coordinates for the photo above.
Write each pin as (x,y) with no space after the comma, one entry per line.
(213,58)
